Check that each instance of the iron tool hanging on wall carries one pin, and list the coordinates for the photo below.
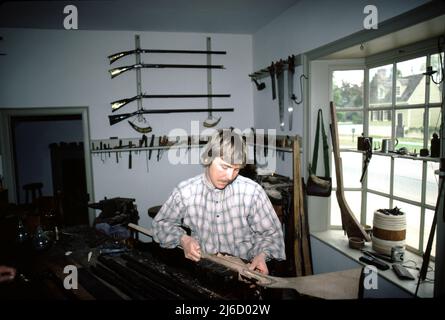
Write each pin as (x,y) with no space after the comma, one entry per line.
(280,80)
(290,88)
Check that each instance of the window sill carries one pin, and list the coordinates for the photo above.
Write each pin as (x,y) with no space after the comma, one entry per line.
(339,242)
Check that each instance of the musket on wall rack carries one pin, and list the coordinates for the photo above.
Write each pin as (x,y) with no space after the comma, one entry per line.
(116,56)
(115,105)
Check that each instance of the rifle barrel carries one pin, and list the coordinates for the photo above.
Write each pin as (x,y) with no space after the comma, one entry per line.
(119,117)
(117,71)
(117,56)
(115,105)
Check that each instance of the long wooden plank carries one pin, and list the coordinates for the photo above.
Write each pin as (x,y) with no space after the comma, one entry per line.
(299,213)
(349,223)
(298,230)
(334,285)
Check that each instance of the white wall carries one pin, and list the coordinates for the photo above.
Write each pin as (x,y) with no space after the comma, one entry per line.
(59,68)
(306,26)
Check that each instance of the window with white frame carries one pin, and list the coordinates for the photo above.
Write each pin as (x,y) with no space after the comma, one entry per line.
(391,100)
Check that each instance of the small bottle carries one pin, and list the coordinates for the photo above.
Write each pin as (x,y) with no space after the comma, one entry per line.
(41,240)
(435,146)
(22,234)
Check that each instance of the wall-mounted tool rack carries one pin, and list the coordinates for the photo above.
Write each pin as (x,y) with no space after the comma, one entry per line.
(282,143)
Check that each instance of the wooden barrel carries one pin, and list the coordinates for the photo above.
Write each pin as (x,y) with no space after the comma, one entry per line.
(388,231)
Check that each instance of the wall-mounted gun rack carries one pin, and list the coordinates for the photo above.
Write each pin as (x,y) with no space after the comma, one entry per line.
(115,105)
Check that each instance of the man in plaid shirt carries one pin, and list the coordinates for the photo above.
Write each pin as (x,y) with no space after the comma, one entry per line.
(226,213)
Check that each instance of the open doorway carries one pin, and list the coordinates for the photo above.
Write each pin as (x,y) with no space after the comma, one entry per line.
(48,146)
(48,153)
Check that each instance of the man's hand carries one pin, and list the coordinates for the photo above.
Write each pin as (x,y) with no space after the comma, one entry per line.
(259,264)
(6,273)
(191,248)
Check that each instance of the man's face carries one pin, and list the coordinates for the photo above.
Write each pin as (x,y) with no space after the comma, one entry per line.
(222,173)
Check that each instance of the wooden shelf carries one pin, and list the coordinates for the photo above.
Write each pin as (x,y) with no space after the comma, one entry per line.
(393,155)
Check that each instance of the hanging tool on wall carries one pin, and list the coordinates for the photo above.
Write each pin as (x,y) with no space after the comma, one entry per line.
(254,144)
(368,155)
(271,70)
(280,79)
(259,86)
(290,88)
(130,145)
(139,129)
(151,146)
(210,122)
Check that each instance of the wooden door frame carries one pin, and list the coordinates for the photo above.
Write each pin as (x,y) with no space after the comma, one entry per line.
(6,145)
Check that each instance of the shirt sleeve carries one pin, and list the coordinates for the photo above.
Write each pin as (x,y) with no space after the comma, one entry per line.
(166,225)
(266,227)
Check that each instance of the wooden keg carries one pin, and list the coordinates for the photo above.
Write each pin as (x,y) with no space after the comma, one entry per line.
(388,231)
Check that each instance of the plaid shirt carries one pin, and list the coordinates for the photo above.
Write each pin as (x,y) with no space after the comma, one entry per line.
(238,220)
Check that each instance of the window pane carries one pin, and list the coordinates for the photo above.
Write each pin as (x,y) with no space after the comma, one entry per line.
(373,203)
(350,126)
(435,94)
(433,124)
(347,88)
(409,129)
(380,126)
(380,86)
(412,223)
(379,170)
(410,82)
(352,170)
(354,200)
(432,183)
(429,215)
(408,179)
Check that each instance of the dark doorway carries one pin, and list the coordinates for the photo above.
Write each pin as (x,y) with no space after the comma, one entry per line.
(49,150)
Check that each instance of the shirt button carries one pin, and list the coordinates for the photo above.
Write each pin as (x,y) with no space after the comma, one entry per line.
(217,215)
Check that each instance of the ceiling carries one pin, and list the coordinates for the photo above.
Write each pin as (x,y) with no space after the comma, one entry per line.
(206,16)
(416,33)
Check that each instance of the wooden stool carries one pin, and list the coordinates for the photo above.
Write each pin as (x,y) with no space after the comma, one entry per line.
(34,190)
